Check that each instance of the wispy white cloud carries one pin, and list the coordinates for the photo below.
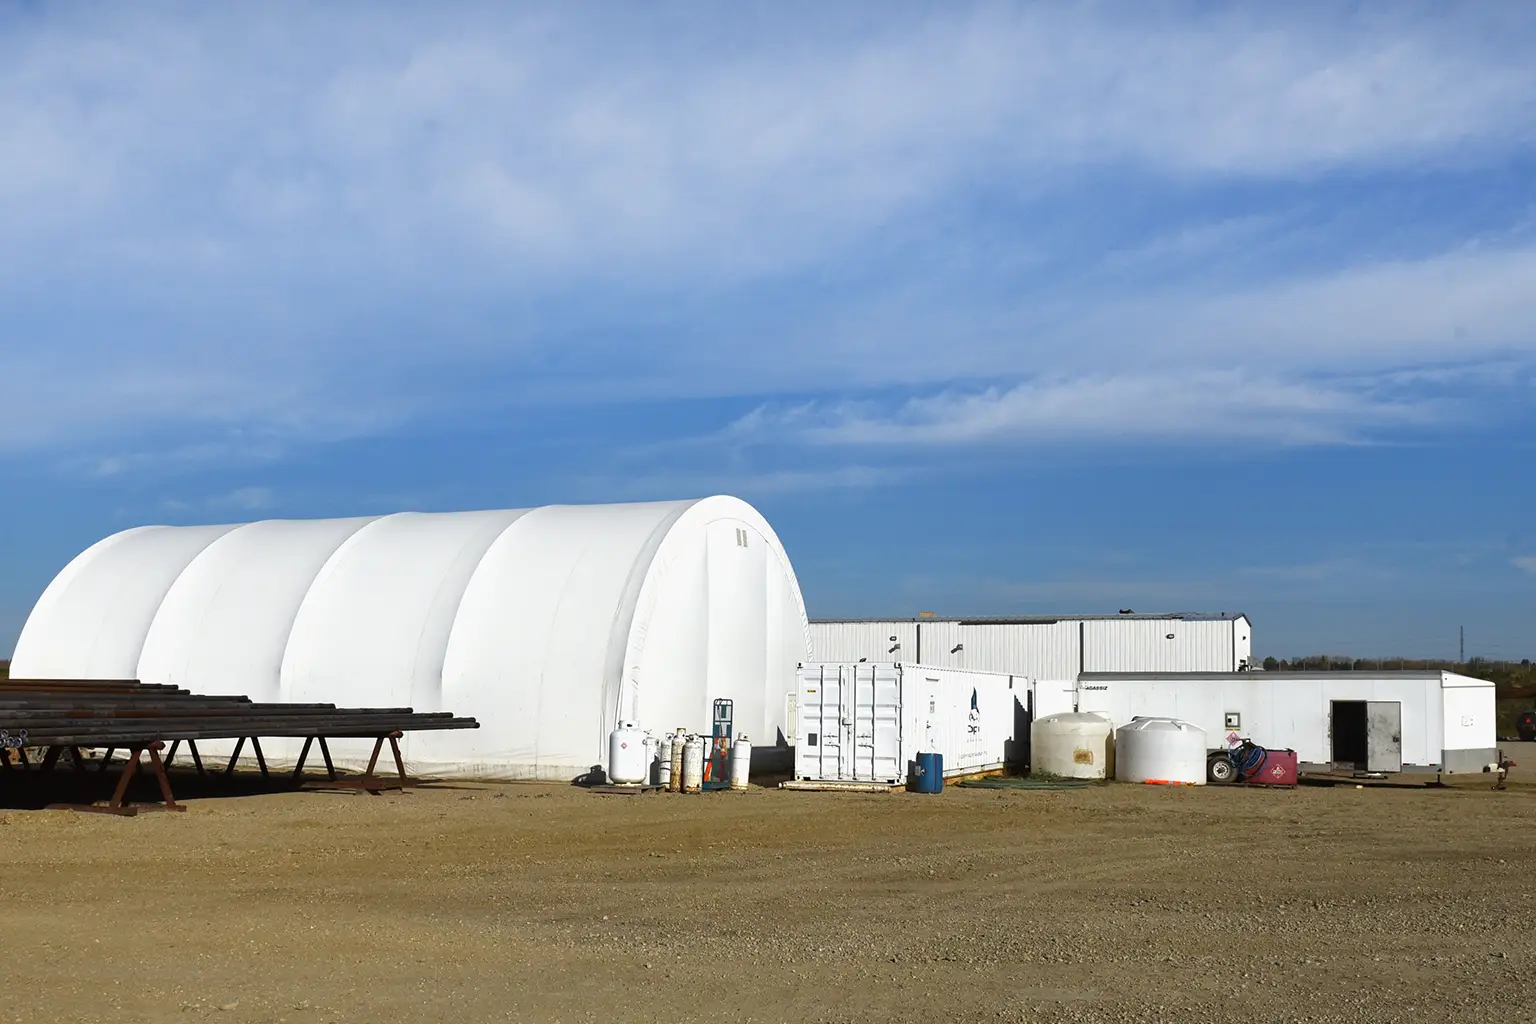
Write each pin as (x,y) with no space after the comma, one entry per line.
(1200,406)
(302,222)
(548,133)
(1526,563)
(748,483)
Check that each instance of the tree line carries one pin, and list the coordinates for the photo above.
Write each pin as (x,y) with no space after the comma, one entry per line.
(1509,675)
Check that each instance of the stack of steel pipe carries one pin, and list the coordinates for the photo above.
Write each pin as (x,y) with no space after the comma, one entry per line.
(126,713)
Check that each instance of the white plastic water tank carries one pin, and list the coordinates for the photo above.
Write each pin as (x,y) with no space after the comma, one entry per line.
(1162,750)
(1072,745)
(628,755)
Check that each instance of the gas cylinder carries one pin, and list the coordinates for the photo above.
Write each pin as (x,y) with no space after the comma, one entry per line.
(663,760)
(675,777)
(741,762)
(693,765)
(627,763)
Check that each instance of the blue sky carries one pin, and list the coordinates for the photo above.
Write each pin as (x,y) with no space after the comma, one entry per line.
(989,308)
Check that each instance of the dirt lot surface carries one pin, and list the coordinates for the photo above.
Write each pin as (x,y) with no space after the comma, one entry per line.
(542,903)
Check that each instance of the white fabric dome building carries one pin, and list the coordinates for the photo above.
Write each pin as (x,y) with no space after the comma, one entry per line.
(547,624)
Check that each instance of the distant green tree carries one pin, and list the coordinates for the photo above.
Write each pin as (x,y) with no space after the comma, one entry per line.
(1271,665)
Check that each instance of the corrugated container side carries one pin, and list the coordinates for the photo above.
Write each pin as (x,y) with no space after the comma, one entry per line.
(967,716)
(865,722)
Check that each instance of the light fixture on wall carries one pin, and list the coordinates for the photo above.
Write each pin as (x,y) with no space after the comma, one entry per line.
(957,648)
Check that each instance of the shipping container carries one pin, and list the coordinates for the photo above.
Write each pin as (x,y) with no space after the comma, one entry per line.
(1052,647)
(1355,721)
(867,721)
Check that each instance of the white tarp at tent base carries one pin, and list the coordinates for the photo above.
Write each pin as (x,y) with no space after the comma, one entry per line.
(548,624)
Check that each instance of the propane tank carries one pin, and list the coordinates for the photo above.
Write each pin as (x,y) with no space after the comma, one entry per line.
(693,765)
(675,776)
(627,761)
(741,762)
(663,760)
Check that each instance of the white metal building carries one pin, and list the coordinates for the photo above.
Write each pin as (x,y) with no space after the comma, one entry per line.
(548,624)
(1056,647)
(1369,721)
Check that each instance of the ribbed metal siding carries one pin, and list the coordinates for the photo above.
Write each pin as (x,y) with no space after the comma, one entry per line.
(1036,650)
(871,641)
(1161,645)
(1042,650)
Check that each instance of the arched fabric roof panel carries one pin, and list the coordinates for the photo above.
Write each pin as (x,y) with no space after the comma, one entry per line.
(375,624)
(224,624)
(545,624)
(92,620)
(533,641)
(720,615)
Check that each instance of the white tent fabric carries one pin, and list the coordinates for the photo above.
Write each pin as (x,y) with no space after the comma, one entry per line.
(549,625)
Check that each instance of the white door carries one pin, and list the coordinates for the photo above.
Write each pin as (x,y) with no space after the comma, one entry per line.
(1383,736)
(819,732)
(872,724)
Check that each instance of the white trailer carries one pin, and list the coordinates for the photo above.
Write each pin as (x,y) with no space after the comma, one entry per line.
(1355,721)
(866,721)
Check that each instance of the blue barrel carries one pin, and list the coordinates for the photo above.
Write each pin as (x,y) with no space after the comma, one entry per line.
(927,773)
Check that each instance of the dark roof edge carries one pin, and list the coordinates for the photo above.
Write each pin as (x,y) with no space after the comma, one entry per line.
(1046,620)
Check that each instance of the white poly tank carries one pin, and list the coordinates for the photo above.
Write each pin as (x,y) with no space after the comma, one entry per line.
(741,762)
(1161,750)
(1072,746)
(663,760)
(693,765)
(628,763)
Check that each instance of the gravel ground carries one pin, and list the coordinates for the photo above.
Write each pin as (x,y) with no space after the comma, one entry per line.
(542,903)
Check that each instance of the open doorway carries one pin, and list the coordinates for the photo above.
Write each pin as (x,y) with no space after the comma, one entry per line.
(1348,727)
(1367,734)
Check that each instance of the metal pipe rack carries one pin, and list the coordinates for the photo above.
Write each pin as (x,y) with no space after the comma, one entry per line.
(59,716)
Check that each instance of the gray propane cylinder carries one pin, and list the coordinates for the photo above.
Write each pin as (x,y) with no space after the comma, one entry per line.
(693,765)
(675,776)
(663,770)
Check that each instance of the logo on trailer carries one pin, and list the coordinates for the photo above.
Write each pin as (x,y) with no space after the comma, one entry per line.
(973,720)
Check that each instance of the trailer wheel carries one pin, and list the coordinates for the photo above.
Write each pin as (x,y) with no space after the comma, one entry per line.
(1220,771)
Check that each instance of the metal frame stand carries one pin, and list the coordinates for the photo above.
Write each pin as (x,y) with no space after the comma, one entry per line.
(368,781)
(118,802)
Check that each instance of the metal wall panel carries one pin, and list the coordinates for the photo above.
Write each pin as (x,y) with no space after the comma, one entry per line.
(866,641)
(1039,650)
(1045,649)
(1161,645)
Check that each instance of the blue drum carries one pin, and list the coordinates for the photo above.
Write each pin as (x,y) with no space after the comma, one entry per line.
(926,774)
